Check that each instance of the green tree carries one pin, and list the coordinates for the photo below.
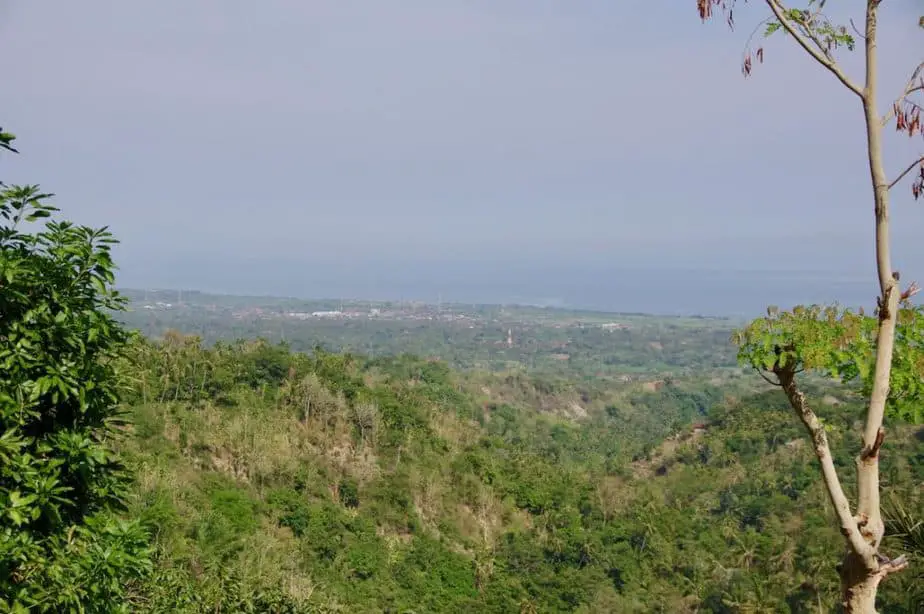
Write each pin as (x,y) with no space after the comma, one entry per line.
(62,546)
(882,353)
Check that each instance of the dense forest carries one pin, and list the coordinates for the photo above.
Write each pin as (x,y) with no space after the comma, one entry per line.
(275,481)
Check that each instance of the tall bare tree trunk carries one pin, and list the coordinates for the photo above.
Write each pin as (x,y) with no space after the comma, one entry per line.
(859,577)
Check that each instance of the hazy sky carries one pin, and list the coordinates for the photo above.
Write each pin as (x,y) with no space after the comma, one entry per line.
(349,137)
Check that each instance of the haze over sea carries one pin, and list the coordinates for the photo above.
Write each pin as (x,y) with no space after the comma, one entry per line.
(482,151)
(608,288)
(485,151)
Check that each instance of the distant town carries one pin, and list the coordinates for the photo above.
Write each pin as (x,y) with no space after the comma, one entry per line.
(264,308)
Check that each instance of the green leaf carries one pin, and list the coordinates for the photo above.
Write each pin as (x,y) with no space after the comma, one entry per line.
(38,214)
(19,500)
(15,516)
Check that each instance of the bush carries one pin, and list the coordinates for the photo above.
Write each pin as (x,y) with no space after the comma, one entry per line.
(349,492)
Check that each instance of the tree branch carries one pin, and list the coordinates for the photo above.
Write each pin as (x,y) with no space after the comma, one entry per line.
(765,378)
(890,566)
(911,291)
(909,89)
(819,56)
(911,167)
(849,528)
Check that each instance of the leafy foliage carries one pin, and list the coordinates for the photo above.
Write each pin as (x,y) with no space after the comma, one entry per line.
(6,141)
(841,344)
(61,546)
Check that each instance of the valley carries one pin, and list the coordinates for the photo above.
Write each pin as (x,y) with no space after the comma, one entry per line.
(335,482)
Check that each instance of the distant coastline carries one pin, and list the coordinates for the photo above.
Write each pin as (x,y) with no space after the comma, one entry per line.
(665,292)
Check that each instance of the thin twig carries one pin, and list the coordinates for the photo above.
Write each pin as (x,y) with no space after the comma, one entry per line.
(807,29)
(909,89)
(854,26)
(747,44)
(821,58)
(767,379)
(910,168)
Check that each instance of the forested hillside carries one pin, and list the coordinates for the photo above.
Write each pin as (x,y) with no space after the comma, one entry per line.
(282,482)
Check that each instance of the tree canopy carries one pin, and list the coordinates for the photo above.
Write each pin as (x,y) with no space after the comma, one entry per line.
(62,546)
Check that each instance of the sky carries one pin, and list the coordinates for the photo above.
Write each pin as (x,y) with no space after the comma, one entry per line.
(473,147)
